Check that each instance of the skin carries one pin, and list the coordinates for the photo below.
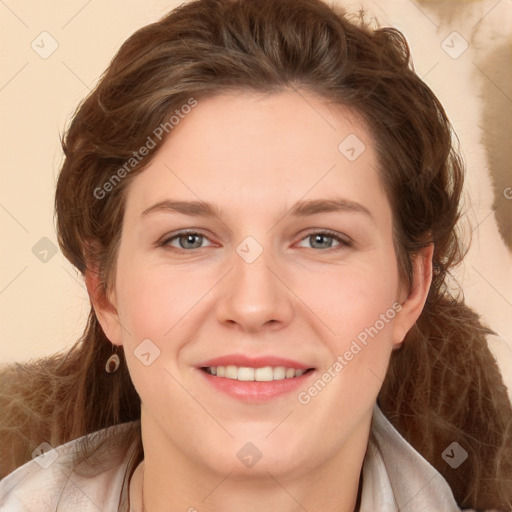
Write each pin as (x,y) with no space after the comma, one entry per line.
(254,156)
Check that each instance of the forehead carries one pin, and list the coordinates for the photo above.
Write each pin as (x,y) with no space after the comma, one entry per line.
(250,147)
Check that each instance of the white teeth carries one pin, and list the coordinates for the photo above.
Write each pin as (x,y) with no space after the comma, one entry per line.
(279,373)
(231,372)
(264,374)
(245,373)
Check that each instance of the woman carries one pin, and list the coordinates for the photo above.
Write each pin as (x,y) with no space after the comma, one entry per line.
(262,198)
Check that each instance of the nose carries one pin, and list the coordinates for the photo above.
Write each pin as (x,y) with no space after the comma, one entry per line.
(255,295)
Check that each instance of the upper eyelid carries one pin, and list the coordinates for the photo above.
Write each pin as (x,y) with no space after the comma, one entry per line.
(342,238)
(165,240)
(168,238)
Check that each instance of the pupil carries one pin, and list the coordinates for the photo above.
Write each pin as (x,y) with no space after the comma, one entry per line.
(190,239)
(319,238)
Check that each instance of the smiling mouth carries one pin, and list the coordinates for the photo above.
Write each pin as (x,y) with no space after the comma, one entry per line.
(262,374)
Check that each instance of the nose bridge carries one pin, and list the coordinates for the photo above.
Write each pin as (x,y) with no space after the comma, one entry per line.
(253,296)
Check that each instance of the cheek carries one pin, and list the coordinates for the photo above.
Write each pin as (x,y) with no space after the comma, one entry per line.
(153,301)
(152,307)
(361,318)
(354,299)
(359,306)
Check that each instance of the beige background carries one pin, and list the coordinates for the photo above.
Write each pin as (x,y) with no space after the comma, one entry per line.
(43,301)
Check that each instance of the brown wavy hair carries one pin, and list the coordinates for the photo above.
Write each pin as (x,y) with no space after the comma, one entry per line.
(442,386)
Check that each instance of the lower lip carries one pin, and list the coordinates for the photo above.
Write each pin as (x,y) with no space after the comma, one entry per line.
(254,391)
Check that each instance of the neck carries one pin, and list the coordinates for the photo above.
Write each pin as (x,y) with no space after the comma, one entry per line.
(231,495)
(172,479)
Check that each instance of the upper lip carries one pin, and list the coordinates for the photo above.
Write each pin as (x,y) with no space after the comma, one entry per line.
(253,362)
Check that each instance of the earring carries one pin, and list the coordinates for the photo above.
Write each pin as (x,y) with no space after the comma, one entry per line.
(113,363)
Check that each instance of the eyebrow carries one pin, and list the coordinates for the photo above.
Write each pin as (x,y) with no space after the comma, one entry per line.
(300,209)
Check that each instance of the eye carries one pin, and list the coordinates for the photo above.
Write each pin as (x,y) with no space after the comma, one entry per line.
(324,240)
(190,240)
(185,240)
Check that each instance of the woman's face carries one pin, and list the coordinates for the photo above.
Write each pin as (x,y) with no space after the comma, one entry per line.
(290,266)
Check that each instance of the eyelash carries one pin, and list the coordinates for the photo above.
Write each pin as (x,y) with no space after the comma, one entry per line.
(343,243)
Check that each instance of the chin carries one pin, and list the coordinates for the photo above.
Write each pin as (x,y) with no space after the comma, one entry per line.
(260,459)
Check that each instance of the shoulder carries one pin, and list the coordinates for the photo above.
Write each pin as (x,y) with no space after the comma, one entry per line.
(55,480)
(397,475)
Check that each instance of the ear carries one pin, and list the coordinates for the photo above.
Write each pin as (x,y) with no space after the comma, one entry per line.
(413,300)
(104,307)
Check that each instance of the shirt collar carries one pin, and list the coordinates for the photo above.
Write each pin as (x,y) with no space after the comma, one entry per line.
(397,478)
